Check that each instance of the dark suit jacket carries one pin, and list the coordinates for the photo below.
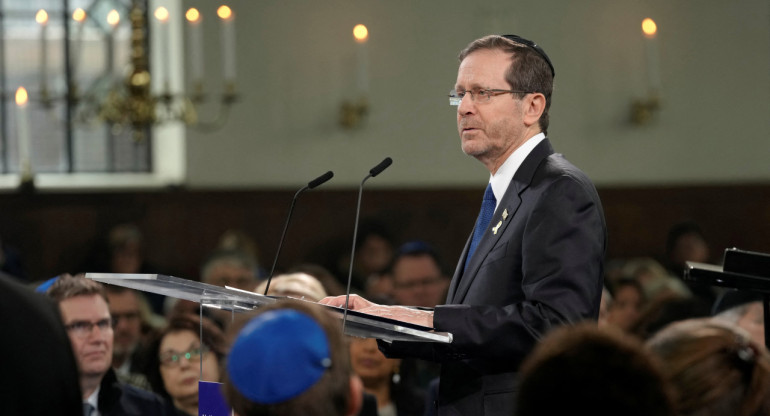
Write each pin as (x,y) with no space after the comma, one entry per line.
(538,265)
(119,399)
(38,374)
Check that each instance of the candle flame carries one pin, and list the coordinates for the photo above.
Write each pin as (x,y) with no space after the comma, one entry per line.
(113,18)
(41,17)
(193,15)
(649,27)
(361,33)
(224,12)
(21,97)
(161,13)
(79,15)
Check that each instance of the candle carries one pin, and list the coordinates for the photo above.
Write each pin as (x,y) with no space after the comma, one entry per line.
(22,129)
(162,15)
(42,18)
(196,45)
(79,16)
(650,29)
(361,35)
(227,17)
(113,18)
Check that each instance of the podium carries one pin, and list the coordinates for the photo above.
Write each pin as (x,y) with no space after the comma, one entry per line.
(227,298)
(742,270)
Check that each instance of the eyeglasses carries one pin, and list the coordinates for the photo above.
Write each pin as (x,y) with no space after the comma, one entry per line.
(535,47)
(173,358)
(479,95)
(82,329)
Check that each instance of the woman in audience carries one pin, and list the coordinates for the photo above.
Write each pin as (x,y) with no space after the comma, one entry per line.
(715,368)
(381,379)
(627,302)
(174,360)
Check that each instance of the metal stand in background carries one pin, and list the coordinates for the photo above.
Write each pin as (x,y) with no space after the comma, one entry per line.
(742,270)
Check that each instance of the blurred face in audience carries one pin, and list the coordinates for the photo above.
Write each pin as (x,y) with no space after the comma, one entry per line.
(625,307)
(690,247)
(124,309)
(180,355)
(226,274)
(369,363)
(417,281)
(88,323)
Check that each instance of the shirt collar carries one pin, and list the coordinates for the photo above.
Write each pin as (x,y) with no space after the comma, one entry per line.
(93,400)
(503,177)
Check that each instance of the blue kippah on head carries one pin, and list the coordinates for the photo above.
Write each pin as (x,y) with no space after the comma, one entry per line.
(277,356)
(43,287)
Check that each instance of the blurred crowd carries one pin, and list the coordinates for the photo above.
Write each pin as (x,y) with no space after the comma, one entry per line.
(662,345)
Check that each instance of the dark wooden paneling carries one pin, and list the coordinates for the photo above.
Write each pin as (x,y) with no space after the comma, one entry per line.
(57,232)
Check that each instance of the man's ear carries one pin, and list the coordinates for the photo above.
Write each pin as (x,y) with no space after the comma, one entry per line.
(356,396)
(534,107)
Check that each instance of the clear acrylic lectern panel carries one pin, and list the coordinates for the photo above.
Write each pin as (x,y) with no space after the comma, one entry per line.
(227,298)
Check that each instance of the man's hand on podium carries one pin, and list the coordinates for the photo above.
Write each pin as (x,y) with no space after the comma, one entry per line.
(401,313)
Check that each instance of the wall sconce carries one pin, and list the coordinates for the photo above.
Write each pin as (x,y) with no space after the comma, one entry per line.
(643,109)
(353,112)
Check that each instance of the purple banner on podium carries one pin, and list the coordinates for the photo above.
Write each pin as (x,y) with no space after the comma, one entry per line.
(210,400)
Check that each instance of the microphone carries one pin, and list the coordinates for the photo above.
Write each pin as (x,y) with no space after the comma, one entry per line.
(372,173)
(312,184)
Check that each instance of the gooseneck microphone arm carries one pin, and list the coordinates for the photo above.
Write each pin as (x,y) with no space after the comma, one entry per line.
(312,184)
(372,173)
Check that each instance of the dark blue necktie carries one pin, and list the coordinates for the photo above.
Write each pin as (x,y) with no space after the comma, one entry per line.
(485,216)
(87,409)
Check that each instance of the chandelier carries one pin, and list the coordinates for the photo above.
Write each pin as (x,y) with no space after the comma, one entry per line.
(130,102)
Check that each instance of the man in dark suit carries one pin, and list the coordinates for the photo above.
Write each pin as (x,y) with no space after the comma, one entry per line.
(86,316)
(535,258)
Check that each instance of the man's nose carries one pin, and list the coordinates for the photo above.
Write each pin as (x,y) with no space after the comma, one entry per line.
(467,105)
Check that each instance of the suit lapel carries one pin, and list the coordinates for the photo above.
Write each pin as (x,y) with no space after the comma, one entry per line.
(505,214)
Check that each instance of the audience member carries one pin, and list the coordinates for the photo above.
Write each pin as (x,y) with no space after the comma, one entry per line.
(222,268)
(127,348)
(39,375)
(230,268)
(86,316)
(419,278)
(654,278)
(123,252)
(627,302)
(291,359)
(715,368)
(295,285)
(239,240)
(381,379)
(174,360)
(373,253)
(666,309)
(686,242)
(589,370)
(331,284)
(743,309)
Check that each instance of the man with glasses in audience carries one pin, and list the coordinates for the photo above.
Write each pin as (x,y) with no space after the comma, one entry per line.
(534,260)
(86,316)
(418,277)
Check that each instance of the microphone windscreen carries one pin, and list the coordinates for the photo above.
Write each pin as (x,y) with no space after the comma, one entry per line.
(320,180)
(382,166)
